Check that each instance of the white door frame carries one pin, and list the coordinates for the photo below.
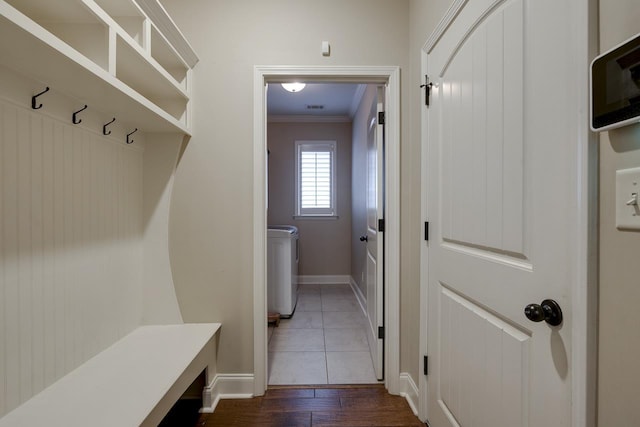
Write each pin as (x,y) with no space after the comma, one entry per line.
(361,74)
(584,289)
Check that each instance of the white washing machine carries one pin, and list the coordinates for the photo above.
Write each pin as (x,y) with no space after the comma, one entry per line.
(283,254)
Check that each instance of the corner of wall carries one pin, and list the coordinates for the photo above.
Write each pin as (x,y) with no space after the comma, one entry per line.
(227,386)
(409,391)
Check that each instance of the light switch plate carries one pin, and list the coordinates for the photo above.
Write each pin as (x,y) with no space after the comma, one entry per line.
(628,213)
(326,48)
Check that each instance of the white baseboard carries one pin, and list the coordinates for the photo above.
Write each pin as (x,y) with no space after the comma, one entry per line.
(240,386)
(324,279)
(409,391)
(359,295)
(226,386)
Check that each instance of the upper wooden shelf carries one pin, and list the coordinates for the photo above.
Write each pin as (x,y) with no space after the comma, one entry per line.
(128,16)
(106,53)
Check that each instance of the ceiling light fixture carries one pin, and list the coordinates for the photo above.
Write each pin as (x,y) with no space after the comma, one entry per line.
(293,87)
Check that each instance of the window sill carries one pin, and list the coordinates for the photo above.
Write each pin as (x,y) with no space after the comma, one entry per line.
(316,217)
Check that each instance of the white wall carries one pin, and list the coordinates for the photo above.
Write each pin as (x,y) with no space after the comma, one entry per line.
(211,215)
(619,336)
(83,235)
(70,249)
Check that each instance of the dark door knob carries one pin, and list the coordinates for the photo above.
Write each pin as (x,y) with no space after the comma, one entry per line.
(548,310)
(364,239)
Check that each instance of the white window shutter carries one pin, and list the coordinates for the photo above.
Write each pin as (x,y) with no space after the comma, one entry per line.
(315,178)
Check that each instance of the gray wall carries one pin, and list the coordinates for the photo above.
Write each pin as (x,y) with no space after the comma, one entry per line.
(619,336)
(211,237)
(325,244)
(359,188)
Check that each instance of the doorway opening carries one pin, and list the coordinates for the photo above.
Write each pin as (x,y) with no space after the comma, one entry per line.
(268,156)
(323,243)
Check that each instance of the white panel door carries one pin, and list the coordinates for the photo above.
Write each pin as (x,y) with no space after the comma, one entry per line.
(501,182)
(375,239)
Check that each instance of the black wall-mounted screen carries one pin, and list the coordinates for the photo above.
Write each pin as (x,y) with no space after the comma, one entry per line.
(615,86)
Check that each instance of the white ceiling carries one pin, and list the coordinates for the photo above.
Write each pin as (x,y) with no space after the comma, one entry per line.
(337,99)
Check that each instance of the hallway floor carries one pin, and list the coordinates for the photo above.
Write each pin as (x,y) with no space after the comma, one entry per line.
(325,342)
(315,406)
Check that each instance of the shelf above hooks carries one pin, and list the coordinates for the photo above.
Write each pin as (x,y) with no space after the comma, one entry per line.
(148,85)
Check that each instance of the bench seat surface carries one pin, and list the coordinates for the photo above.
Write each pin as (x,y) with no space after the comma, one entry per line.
(121,385)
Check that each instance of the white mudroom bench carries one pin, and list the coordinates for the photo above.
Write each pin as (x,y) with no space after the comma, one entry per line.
(132,383)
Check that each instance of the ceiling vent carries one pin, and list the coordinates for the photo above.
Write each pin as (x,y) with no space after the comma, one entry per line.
(315,107)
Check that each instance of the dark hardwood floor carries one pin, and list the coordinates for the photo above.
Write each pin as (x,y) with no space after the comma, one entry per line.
(351,406)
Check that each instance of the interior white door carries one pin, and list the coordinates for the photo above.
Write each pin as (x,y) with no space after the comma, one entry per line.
(501,195)
(375,237)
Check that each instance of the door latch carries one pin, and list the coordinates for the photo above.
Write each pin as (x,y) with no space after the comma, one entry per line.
(427,89)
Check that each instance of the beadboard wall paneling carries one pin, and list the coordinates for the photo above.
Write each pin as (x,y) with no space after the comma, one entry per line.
(70,248)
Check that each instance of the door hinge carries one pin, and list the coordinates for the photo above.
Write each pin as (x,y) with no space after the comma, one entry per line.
(381,225)
(380,332)
(427,89)
(425,367)
(426,231)
(381,118)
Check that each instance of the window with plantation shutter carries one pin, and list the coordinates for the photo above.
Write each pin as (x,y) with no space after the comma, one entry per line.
(315,178)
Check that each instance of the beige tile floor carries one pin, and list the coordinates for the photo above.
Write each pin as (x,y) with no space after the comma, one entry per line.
(325,342)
